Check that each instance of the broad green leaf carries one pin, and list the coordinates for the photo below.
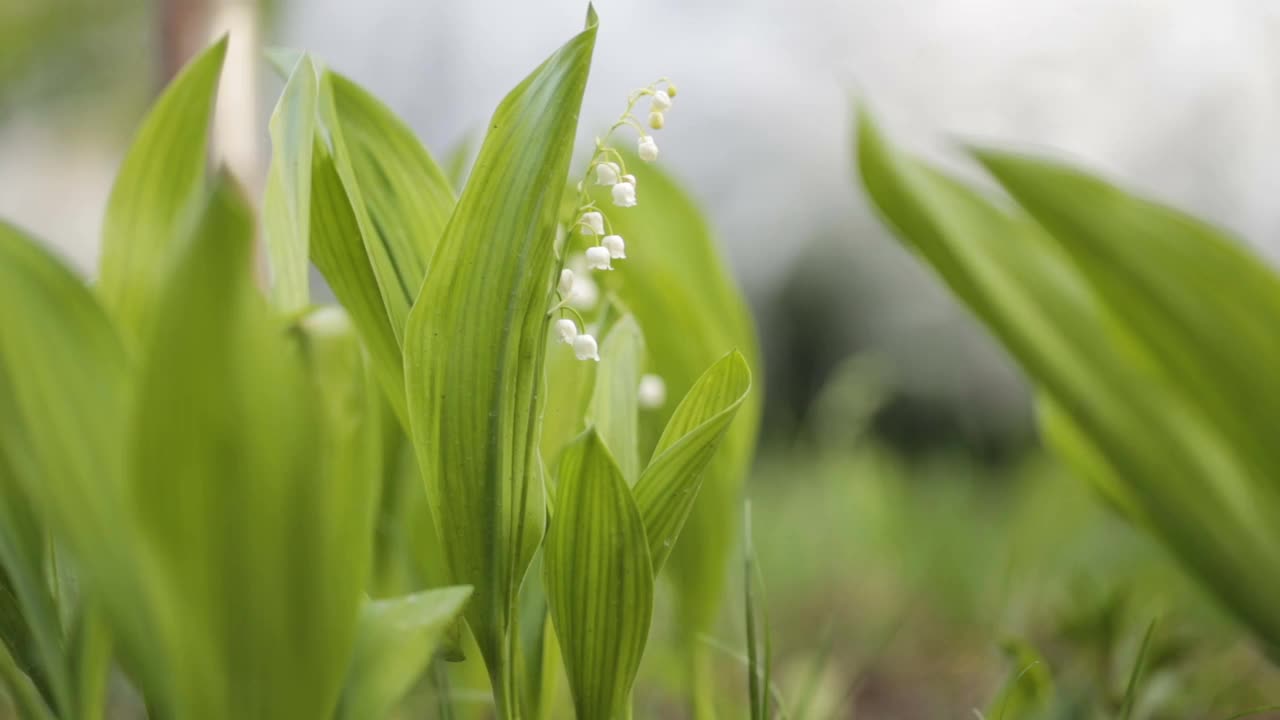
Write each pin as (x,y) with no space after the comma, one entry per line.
(1130,422)
(159,187)
(252,463)
(1207,336)
(339,255)
(678,286)
(615,405)
(287,203)
(475,346)
(64,387)
(394,644)
(670,483)
(399,196)
(570,384)
(599,579)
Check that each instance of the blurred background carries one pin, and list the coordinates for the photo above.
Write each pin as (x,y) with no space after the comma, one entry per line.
(919,549)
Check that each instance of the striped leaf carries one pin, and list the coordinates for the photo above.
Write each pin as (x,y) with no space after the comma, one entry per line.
(400,198)
(287,202)
(475,345)
(670,483)
(599,579)
(160,185)
(678,285)
(339,255)
(614,404)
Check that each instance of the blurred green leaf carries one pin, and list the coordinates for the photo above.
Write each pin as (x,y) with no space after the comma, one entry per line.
(614,404)
(64,388)
(287,202)
(394,643)
(1028,692)
(670,483)
(160,184)
(225,436)
(1121,407)
(599,579)
(475,346)
(692,313)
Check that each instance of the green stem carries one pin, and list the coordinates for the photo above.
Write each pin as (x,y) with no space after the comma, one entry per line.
(701,681)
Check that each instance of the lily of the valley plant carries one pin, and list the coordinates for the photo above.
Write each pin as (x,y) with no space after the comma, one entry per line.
(251,506)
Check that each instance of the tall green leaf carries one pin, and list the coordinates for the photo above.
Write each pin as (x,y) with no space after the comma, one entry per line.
(159,187)
(599,579)
(287,203)
(614,404)
(476,341)
(1116,407)
(394,643)
(65,385)
(339,255)
(669,485)
(259,541)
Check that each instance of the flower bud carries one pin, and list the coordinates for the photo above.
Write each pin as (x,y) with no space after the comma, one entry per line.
(647,149)
(656,120)
(630,179)
(566,283)
(566,330)
(593,222)
(653,392)
(671,90)
(585,348)
(616,247)
(624,195)
(607,173)
(661,101)
(598,258)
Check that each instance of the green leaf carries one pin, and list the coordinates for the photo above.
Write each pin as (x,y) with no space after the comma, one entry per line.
(394,643)
(400,198)
(160,184)
(476,341)
(64,388)
(692,313)
(287,203)
(1207,337)
(1117,413)
(250,464)
(615,403)
(340,257)
(599,579)
(670,483)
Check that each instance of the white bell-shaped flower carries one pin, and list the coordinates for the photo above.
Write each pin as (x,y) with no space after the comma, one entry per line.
(607,173)
(592,223)
(616,247)
(653,391)
(624,195)
(630,179)
(566,330)
(598,258)
(585,293)
(565,286)
(585,348)
(660,102)
(647,149)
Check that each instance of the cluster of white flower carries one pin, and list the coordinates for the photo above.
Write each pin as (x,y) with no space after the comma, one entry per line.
(576,288)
